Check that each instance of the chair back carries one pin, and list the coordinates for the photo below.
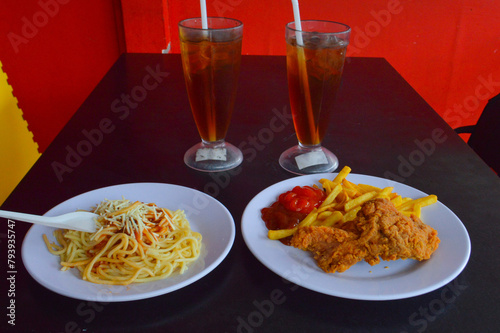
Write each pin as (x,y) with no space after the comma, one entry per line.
(485,138)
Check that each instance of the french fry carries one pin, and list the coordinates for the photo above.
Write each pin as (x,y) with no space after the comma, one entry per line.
(425,201)
(309,218)
(323,215)
(331,197)
(359,200)
(384,193)
(326,183)
(342,199)
(351,193)
(396,201)
(417,210)
(393,195)
(403,201)
(332,219)
(368,188)
(330,207)
(351,215)
(428,200)
(342,175)
(352,187)
(280,233)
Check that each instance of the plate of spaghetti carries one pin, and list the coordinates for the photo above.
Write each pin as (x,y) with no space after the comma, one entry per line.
(150,239)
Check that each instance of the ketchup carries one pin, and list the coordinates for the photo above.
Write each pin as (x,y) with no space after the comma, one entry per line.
(291,208)
(302,199)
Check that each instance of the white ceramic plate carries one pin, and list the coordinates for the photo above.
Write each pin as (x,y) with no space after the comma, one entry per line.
(386,281)
(205,214)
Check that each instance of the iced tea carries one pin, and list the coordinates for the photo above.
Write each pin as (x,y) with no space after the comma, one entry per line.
(313,87)
(211,71)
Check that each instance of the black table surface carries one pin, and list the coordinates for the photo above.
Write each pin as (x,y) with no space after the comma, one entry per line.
(380,129)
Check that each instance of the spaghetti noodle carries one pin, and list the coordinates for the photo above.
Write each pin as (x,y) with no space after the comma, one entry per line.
(136,242)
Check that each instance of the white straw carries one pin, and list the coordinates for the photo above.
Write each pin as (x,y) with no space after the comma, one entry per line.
(298,25)
(203,7)
(301,58)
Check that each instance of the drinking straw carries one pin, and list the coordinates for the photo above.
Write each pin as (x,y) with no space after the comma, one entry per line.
(298,25)
(212,132)
(301,58)
(203,7)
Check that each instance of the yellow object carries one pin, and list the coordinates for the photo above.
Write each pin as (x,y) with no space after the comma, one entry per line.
(18,151)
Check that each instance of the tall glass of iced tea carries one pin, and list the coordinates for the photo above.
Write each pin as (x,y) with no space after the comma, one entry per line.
(315,60)
(211,62)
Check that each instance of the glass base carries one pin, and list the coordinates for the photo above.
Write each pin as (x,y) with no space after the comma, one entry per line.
(303,160)
(213,156)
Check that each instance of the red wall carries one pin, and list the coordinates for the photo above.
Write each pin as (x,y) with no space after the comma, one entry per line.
(54,53)
(147,25)
(447,50)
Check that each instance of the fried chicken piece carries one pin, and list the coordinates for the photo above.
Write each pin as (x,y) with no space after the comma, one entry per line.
(334,249)
(379,231)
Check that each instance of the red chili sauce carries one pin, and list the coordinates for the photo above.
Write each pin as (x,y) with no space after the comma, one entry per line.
(291,208)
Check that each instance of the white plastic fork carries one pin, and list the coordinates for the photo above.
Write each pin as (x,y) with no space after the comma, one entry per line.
(81,221)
